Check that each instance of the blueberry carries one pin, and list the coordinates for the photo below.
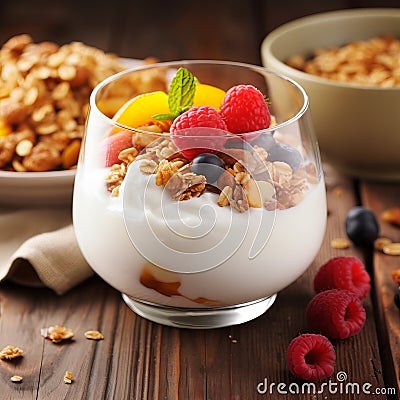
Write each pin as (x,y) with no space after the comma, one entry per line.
(361,226)
(209,165)
(397,297)
(265,140)
(284,152)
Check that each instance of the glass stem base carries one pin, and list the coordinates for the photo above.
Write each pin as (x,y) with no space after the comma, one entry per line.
(200,318)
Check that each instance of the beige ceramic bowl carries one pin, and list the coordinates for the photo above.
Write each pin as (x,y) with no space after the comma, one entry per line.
(358,127)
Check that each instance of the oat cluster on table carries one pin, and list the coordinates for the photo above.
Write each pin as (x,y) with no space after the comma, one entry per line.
(56,334)
(10,352)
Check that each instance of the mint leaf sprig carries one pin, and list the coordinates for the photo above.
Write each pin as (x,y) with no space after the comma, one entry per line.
(180,94)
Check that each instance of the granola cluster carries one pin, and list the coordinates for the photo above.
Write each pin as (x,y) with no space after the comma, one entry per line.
(249,178)
(10,352)
(44,97)
(57,333)
(373,62)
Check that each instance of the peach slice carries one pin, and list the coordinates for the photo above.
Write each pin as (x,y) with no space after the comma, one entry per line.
(207,95)
(139,110)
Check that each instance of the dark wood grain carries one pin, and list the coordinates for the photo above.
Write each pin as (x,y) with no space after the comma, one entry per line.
(380,197)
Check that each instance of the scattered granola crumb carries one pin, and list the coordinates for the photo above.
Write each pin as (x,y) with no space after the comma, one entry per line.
(57,333)
(10,352)
(381,242)
(392,249)
(68,378)
(16,378)
(94,335)
(340,243)
(232,339)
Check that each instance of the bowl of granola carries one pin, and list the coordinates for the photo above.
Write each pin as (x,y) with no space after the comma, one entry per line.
(348,63)
(44,99)
(201,200)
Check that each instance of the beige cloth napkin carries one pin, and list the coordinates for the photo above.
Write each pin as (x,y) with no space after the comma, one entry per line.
(38,248)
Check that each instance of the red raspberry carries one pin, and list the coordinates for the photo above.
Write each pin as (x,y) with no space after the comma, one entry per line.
(311,357)
(343,273)
(244,110)
(189,133)
(336,313)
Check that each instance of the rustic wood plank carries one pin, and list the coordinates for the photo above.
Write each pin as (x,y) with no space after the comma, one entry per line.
(25,311)
(379,197)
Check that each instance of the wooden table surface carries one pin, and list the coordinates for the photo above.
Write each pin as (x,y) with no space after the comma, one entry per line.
(143,360)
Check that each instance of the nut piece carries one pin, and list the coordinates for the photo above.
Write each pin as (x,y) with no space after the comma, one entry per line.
(16,378)
(68,378)
(24,147)
(94,335)
(57,333)
(225,196)
(10,352)
(166,170)
(340,243)
(185,186)
(381,242)
(392,249)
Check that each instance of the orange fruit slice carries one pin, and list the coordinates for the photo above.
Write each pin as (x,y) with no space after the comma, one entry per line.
(207,95)
(139,110)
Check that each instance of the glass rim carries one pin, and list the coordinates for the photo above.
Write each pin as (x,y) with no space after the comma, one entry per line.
(188,62)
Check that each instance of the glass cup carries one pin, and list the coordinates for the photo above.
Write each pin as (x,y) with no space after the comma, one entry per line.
(199,228)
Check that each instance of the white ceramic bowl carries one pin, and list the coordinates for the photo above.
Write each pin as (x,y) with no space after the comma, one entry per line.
(358,127)
(36,188)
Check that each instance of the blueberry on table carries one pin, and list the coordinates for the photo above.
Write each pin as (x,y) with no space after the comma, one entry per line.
(209,165)
(285,153)
(397,297)
(361,226)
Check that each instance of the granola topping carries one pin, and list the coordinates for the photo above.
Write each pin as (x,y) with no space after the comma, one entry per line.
(251,181)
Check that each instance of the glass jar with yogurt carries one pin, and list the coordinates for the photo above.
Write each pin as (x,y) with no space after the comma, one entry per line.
(199,193)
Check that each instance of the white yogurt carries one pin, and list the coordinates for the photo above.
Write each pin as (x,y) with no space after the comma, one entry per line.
(194,235)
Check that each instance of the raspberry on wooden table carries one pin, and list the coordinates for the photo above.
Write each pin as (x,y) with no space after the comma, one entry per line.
(343,273)
(336,313)
(311,357)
